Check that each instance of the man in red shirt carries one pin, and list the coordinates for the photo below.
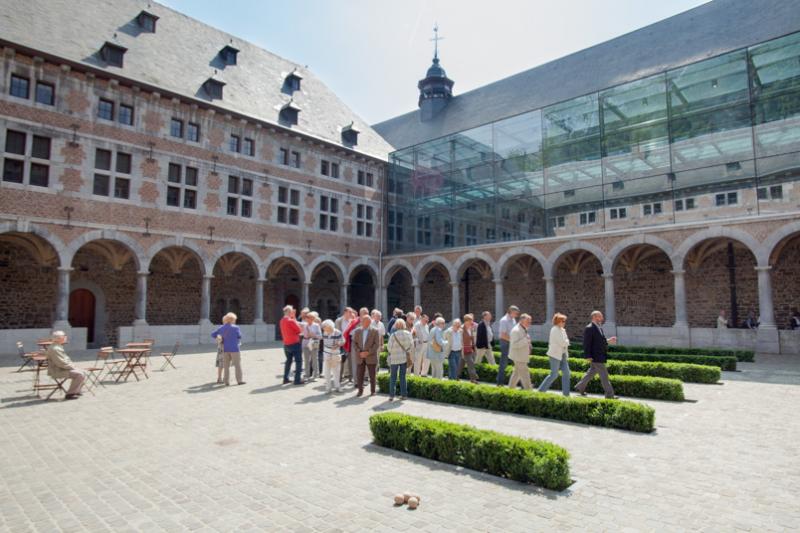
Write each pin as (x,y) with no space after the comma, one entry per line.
(290,333)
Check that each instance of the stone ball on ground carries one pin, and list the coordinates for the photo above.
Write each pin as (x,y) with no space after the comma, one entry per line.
(413,503)
(399,499)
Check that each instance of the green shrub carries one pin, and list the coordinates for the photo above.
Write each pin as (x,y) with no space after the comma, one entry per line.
(633,386)
(740,355)
(685,372)
(528,461)
(722,362)
(618,414)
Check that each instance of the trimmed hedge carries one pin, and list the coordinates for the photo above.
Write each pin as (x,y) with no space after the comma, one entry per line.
(529,461)
(633,386)
(722,362)
(619,414)
(740,355)
(684,372)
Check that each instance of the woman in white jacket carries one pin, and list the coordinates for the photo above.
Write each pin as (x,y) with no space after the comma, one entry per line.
(558,351)
(401,346)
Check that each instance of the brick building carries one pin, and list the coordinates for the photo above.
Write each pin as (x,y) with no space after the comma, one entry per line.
(158,172)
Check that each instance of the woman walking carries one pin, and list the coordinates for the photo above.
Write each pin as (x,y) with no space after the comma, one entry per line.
(558,351)
(311,336)
(455,339)
(332,341)
(437,348)
(400,347)
(231,338)
(468,349)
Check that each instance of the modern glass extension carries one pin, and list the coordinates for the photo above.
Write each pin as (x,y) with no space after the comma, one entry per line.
(718,138)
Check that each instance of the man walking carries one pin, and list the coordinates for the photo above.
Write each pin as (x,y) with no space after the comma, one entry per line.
(290,333)
(483,340)
(595,348)
(505,326)
(366,344)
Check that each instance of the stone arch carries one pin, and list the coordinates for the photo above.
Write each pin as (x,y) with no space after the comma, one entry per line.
(618,249)
(576,269)
(475,272)
(435,291)
(324,294)
(106,235)
(177,242)
(235,273)
(51,239)
(425,265)
(515,253)
(337,266)
(284,284)
(174,284)
(362,264)
(393,267)
(361,284)
(783,247)
(399,282)
(530,292)
(465,260)
(237,248)
(572,246)
(644,287)
(679,257)
(774,240)
(283,257)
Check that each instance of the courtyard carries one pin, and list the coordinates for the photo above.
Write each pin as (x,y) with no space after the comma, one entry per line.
(179,452)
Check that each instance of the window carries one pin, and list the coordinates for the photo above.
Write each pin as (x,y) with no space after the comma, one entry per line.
(125,115)
(147,21)
(558,222)
(652,209)
(296,159)
(329,209)
(228,55)
(394,225)
(618,185)
(293,82)
(334,170)
(104,178)
(329,169)
(471,234)
(213,88)
(236,188)
(324,168)
(774,192)
(687,203)
(45,93)
(289,116)
(449,238)
(20,87)
(731,198)
(284,156)
(113,54)
(424,230)
(588,218)
(288,206)
(364,220)
(105,109)
(491,235)
(176,128)
(15,159)
(365,178)
(235,144)
(233,204)
(249,147)
(618,212)
(185,183)
(193,132)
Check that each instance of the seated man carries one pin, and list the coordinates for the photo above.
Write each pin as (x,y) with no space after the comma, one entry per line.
(60,366)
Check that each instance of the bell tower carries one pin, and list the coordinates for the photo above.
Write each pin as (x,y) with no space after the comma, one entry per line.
(435,89)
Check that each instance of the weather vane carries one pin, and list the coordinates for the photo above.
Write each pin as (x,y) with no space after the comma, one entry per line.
(436,40)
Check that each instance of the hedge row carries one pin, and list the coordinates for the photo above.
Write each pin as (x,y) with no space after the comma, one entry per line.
(687,373)
(633,386)
(618,414)
(529,461)
(740,355)
(721,362)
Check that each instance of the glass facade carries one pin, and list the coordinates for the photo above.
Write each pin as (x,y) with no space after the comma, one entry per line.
(719,138)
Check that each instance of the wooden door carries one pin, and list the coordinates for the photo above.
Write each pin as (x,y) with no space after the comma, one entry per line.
(81,311)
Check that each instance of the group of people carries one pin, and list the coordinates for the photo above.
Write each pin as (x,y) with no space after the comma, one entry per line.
(349,348)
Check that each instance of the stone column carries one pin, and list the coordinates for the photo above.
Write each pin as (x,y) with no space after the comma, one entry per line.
(381,299)
(343,296)
(258,316)
(140,311)
(418,295)
(62,302)
(456,306)
(767,338)
(499,304)
(681,317)
(550,299)
(205,301)
(610,326)
(306,292)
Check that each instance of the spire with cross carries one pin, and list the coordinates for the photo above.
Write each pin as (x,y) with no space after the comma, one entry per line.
(436,40)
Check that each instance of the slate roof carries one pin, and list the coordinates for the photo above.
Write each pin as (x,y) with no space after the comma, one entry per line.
(705,31)
(179,57)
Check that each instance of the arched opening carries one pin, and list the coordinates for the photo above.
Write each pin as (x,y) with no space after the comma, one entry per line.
(108,269)
(579,286)
(524,286)
(325,291)
(435,291)
(233,289)
(29,281)
(361,292)
(82,311)
(476,288)
(644,287)
(174,287)
(720,275)
(785,261)
(400,290)
(284,286)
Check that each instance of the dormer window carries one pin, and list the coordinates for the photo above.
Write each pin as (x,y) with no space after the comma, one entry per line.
(228,55)
(350,135)
(213,88)
(147,21)
(292,81)
(289,113)
(112,54)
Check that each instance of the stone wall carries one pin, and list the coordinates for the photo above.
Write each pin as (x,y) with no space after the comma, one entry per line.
(481,294)
(282,288)
(400,292)
(173,298)
(436,293)
(325,293)
(27,289)
(645,296)
(579,293)
(233,292)
(525,288)
(786,282)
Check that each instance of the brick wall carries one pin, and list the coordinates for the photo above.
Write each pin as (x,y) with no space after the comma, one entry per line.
(281,288)
(481,294)
(525,288)
(27,289)
(579,293)
(233,292)
(400,292)
(786,282)
(645,296)
(173,298)
(436,294)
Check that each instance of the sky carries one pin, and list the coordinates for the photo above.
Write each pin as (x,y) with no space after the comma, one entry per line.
(371,53)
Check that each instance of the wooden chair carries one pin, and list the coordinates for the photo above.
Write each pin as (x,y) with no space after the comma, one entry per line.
(54,386)
(169,356)
(25,357)
(110,364)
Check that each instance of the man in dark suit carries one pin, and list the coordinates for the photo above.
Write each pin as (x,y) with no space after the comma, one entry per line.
(367,342)
(483,340)
(595,348)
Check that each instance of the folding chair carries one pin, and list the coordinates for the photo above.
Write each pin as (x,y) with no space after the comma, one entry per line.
(54,387)
(26,357)
(111,364)
(169,356)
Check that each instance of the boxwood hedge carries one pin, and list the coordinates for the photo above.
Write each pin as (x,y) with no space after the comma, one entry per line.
(740,355)
(685,372)
(617,414)
(529,461)
(722,362)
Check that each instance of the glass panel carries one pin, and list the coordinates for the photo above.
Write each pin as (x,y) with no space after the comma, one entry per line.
(123,163)
(102,159)
(15,142)
(40,175)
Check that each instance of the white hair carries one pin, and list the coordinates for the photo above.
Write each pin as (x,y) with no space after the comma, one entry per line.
(58,334)
(438,321)
(328,324)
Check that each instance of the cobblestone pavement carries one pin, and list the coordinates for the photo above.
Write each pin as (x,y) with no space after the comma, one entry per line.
(177,452)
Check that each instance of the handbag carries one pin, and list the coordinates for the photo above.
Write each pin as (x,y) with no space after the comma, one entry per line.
(409,357)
